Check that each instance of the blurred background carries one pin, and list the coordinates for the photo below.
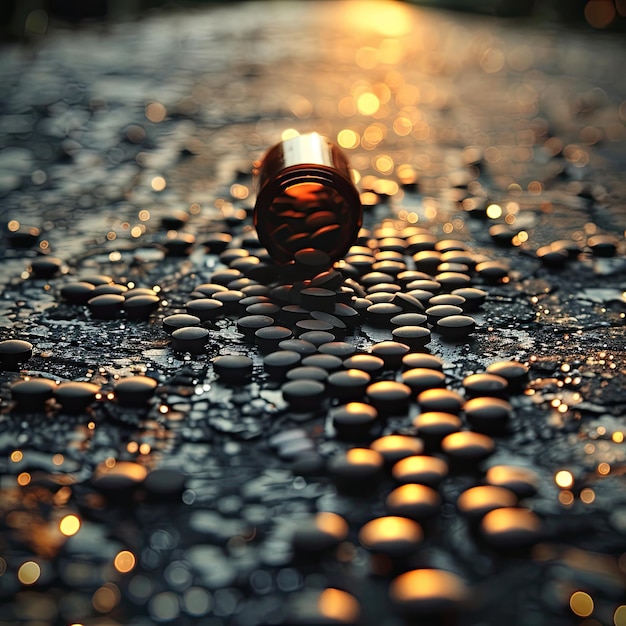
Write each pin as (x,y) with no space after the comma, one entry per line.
(31,18)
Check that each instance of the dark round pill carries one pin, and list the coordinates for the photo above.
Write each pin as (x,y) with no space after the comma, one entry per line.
(298,345)
(338,326)
(380,314)
(515,373)
(484,384)
(309,324)
(217,242)
(396,447)
(13,352)
(502,235)
(357,471)
(135,391)
(415,359)
(233,368)
(419,379)
(140,307)
(421,295)
(602,245)
(303,395)
(320,533)
(106,306)
(389,397)
(435,313)
(231,300)
(75,397)
(455,327)
(420,469)
(418,502)
(434,426)
(277,364)
(165,483)
(45,267)
(430,286)
(452,280)
(568,245)
(347,314)
(427,261)
(329,607)
(328,362)
(354,420)
(292,313)
(523,481)
(77,292)
(341,349)
(307,373)
(511,528)
(391,352)
(447,298)
(395,537)
(209,289)
(317,337)
(375,278)
(492,272)
(444,400)
(33,393)
(415,337)
(366,362)
(428,592)
(96,279)
(408,303)
(119,480)
(476,502)
(178,244)
(110,288)
(318,299)
(192,339)
(179,320)
(262,308)
(204,308)
(552,257)
(348,385)
(408,319)
(249,324)
(487,414)
(465,447)
(225,276)
(268,338)
(474,298)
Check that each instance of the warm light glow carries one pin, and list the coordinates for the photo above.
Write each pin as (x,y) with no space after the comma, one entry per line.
(332,524)
(58,459)
(158,183)
(604,469)
(600,13)
(390,528)
(587,495)
(155,112)
(17,456)
(23,479)
(69,525)
(564,479)
(430,584)
(368,103)
(29,573)
(338,605)
(618,437)
(348,139)
(124,561)
(289,133)
(391,19)
(363,456)
(106,598)
(581,604)
(494,211)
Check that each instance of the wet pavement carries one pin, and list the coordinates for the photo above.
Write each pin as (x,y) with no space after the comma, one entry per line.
(162,462)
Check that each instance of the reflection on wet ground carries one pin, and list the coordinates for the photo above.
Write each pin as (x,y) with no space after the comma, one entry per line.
(432,428)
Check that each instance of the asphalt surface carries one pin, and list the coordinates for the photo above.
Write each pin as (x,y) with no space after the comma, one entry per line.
(128,148)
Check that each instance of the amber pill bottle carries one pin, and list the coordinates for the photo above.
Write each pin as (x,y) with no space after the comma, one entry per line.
(307,210)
